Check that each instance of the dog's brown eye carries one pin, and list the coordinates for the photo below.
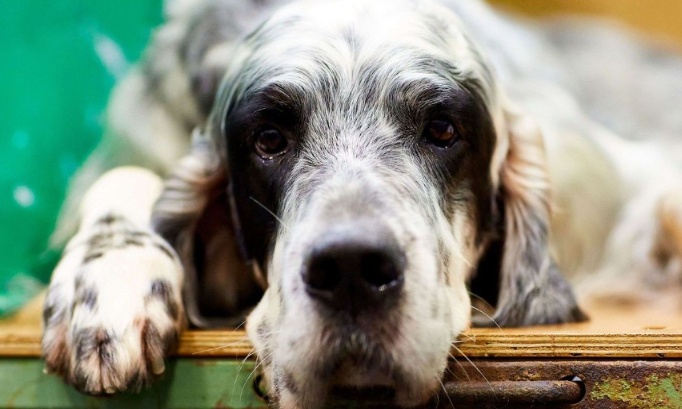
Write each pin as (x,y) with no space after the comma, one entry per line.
(441,133)
(270,143)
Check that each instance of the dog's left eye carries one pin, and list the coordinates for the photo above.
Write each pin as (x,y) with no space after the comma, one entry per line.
(440,133)
(269,143)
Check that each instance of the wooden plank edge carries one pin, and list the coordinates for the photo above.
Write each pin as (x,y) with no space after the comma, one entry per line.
(221,344)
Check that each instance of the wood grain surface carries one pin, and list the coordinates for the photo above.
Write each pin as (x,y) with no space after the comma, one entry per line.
(615,330)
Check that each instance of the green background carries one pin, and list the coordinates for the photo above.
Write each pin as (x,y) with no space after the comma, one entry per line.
(58,62)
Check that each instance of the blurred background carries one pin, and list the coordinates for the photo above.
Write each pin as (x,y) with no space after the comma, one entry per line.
(658,18)
(60,59)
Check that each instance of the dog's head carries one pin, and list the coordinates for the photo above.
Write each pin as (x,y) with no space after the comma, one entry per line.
(372,164)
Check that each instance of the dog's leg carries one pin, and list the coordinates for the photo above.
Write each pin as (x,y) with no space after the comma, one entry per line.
(114,304)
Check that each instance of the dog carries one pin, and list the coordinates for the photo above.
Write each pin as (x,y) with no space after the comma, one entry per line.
(350,175)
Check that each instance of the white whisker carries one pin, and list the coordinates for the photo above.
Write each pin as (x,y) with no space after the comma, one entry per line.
(489,317)
(483,300)
(469,338)
(203,351)
(447,395)
(461,367)
(476,368)
(270,212)
(241,365)
(253,371)
(459,254)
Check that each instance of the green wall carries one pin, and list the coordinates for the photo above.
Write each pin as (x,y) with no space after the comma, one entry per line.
(58,62)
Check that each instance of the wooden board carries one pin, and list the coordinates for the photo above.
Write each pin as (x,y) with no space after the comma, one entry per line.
(616,330)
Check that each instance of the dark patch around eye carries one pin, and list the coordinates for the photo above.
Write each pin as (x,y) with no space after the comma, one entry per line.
(253,125)
(440,133)
(270,142)
(274,105)
(453,137)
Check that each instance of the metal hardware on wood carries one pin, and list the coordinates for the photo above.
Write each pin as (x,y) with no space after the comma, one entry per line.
(517,392)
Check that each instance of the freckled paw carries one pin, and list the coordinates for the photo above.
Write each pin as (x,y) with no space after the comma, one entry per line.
(105,349)
(113,312)
(99,361)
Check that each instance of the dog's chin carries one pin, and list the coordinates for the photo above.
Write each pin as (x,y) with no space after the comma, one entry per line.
(400,387)
(312,369)
(357,376)
(367,361)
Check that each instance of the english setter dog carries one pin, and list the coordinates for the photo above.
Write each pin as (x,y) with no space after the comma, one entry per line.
(352,172)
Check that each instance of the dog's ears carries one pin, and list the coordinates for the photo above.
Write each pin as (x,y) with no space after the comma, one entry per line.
(193,215)
(532,290)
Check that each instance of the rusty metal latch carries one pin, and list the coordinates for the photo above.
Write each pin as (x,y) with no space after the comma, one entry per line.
(568,390)
(571,390)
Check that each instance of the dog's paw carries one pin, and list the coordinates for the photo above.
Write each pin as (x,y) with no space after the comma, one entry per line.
(113,309)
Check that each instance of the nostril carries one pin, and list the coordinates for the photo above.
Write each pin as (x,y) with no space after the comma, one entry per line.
(380,270)
(336,270)
(353,268)
(322,274)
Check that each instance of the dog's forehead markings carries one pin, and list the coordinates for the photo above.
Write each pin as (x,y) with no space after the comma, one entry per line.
(301,45)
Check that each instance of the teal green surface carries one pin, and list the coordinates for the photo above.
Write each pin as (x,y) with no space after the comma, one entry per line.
(59,60)
(187,383)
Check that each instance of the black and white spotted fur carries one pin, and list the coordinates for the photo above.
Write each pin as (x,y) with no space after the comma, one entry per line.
(353,86)
(114,305)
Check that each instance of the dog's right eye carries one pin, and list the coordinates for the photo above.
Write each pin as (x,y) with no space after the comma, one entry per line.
(269,143)
(441,133)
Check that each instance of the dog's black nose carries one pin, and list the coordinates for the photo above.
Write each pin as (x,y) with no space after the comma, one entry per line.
(352,269)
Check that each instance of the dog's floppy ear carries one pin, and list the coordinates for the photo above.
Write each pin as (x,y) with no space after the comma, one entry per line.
(194,215)
(532,290)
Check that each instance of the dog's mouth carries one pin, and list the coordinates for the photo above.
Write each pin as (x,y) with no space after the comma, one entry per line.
(362,356)
(359,360)
(362,372)
(341,396)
